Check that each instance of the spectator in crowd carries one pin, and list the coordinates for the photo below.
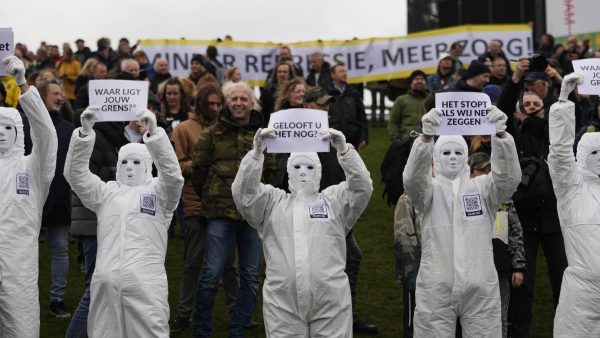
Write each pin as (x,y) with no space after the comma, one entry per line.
(283,73)
(124,49)
(319,73)
(477,76)
(56,216)
(215,162)
(199,75)
(85,74)
(161,74)
(99,72)
(495,51)
(534,201)
(43,59)
(319,303)
(456,277)
(576,184)
(214,66)
(443,78)
(456,49)
(546,46)
(83,52)
(146,69)
(285,55)
(406,113)
(347,114)
(507,241)
(26,181)
(290,94)
(499,75)
(175,105)
(129,280)
(102,52)
(68,69)
(132,67)
(234,75)
(209,102)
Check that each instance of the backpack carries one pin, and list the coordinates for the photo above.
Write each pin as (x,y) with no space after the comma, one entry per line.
(392,168)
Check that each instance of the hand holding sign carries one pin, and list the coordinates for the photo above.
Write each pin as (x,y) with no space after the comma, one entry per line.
(589,69)
(430,121)
(259,144)
(498,117)
(119,100)
(464,113)
(15,68)
(568,85)
(337,139)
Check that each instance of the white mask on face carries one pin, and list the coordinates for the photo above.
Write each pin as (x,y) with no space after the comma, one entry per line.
(592,162)
(302,174)
(132,171)
(452,159)
(8,136)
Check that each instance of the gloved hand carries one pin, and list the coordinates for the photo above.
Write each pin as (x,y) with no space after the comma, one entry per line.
(498,117)
(148,119)
(15,68)
(259,144)
(337,139)
(568,85)
(431,120)
(88,118)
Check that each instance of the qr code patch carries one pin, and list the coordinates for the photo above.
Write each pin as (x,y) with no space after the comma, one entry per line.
(318,210)
(472,205)
(22,184)
(148,204)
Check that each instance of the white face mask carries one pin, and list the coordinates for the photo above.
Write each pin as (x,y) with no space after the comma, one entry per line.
(8,136)
(592,162)
(452,159)
(303,174)
(132,171)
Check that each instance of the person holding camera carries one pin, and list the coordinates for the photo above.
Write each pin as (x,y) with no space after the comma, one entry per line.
(527,94)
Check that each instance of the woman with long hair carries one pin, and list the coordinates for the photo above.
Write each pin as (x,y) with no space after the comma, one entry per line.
(175,106)
(290,94)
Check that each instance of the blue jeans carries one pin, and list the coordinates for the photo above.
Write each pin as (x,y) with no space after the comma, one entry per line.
(220,235)
(78,325)
(58,236)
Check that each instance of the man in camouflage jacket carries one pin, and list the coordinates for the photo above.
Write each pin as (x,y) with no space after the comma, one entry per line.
(216,160)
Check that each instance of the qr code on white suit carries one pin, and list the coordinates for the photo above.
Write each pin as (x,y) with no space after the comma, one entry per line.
(472,205)
(22,184)
(148,204)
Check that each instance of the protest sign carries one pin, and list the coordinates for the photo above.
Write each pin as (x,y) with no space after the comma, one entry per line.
(464,114)
(7,45)
(118,100)
(367,60)
(590,69)
(298,129)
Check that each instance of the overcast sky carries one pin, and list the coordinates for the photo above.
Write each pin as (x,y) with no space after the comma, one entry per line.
(58,21)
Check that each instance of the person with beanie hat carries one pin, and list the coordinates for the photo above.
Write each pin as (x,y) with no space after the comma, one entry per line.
(408,109)
(478,75)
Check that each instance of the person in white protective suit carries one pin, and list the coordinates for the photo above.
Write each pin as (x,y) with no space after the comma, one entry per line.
(577,188)
(457,277)
(129,286)
(24,185)
(306,291)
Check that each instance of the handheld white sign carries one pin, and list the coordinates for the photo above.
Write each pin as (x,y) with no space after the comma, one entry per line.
(464,114)
(590,69)
(297,130)
(119,100)
(7,44)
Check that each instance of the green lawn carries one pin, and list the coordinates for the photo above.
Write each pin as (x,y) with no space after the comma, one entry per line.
(379,296)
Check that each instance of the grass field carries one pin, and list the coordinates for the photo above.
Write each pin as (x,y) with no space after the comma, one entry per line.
(379,296)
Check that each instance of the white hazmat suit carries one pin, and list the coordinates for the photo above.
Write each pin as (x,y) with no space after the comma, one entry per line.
(129,286)
(306,291)
(24,185)
(577,188)
(457,277)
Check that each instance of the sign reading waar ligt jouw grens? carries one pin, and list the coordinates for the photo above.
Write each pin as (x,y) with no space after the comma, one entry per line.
(298,130)
(590,70)
(7,44)
(118,100)
(464,113)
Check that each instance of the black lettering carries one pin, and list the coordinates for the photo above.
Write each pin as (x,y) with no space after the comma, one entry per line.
(515,47)
(396,59)
(337,57)
(359,60)
(426,53)
(251,62)
(440,48)
(228,60)
(476,43)
(182,61)
(349,61)
(265,63)
(412,54)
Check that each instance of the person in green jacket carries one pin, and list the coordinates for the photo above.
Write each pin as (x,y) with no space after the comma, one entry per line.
(408,109)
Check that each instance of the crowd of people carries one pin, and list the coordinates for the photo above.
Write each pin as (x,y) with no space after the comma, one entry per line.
(195,160)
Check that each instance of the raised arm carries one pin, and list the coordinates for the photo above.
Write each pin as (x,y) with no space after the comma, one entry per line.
(43,135)
(252,198)
(561,121)
(354,193)
(170,181)
(88,187)
(417,176)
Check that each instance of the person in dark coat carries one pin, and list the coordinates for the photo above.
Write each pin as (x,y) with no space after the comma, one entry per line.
(319,75)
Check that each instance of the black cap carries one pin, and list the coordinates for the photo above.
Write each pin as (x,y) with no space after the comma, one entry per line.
(415,74)
(476,68)
(535,76)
